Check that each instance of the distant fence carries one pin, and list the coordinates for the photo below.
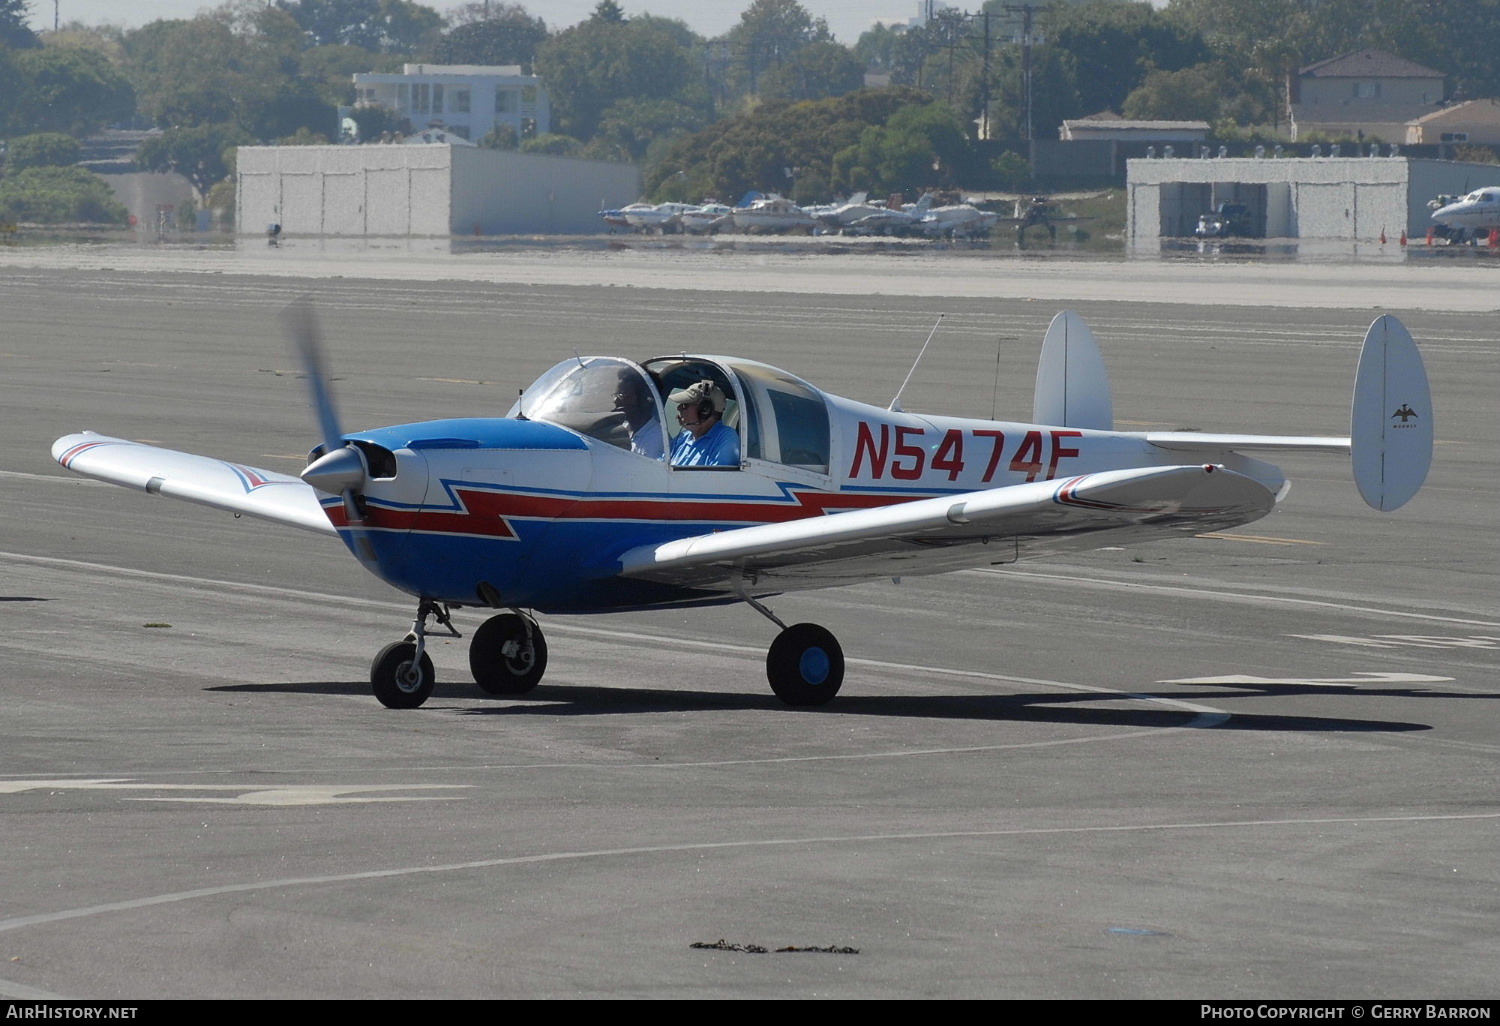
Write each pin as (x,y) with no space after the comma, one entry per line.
(1107,157)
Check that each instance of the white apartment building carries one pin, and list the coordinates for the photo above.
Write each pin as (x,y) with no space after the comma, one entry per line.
(468,100)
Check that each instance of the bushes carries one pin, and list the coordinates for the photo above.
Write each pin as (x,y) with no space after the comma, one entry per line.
(57,195)
(43,149)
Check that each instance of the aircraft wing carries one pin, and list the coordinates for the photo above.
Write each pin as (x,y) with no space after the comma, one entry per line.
(202,479)
(954,532)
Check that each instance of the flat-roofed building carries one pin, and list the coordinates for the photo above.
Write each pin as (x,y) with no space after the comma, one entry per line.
(432,189)
(468,100)
(1346,199)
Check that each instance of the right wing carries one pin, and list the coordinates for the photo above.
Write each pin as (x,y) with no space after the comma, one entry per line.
(955,532)
(202,479)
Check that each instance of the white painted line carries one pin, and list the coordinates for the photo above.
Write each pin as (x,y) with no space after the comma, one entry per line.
(1362,677)
(1225,596)
(17,922)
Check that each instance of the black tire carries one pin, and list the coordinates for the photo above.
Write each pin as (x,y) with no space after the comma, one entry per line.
(512,672)
(391,679)
(805,665)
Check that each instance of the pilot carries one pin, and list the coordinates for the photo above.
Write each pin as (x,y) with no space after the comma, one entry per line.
(632,400)
(705,440)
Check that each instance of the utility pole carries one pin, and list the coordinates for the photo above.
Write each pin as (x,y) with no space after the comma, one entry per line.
(1026,11)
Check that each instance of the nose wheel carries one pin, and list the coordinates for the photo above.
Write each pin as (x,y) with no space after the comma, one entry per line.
(508,654)
(402,677)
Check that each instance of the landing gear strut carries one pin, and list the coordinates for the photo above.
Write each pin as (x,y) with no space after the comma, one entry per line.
(401,675)
(508,654)
(805,664)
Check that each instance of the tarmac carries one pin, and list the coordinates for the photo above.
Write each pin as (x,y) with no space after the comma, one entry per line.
(1259,765)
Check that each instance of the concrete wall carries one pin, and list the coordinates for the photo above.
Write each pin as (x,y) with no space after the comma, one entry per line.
(1342,198)
(424,190)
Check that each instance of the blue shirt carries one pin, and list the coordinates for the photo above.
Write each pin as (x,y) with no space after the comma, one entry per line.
(719,447)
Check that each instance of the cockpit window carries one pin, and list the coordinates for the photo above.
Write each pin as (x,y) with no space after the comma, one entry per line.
(605,398)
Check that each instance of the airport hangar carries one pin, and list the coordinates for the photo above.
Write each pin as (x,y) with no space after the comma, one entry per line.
(1340,198)
(425,189)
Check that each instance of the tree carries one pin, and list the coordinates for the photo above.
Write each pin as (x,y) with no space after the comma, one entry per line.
(511,36)
(633,126)
(768,34)
(591,65)
(43,149)
(382,26)
(58,195)
(13,30)
(1191,94)
(200,73)
(813,72)
(919,147)
(203,153)
(1110,47)
(69,89)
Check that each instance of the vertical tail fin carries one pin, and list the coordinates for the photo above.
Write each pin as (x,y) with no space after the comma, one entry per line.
(1072,386)
(1390,425)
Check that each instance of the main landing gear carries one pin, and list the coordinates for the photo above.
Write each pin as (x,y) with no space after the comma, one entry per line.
(507,655)
(805,664)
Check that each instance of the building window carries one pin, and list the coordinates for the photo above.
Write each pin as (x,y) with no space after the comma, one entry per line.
(437,99)
(1366,90)
(460,100)
(528,95)
(403,97)
(1454,137)
(505,101)
(421,99)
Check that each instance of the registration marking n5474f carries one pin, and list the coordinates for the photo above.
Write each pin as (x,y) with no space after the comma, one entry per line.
(902,454)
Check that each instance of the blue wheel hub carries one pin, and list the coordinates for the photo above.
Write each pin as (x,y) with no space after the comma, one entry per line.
(814,665)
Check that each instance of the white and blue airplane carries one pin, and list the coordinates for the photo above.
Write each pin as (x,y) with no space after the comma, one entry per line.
(1474,215)
(552,509)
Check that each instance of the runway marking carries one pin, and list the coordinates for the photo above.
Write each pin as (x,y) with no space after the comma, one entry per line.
(17,922)
(1251,597)
(1361,677)
(1264,539)
(21,992)
(1406,640)
(296,794)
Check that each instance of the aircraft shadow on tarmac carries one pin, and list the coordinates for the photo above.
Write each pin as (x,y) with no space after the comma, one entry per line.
(586,700)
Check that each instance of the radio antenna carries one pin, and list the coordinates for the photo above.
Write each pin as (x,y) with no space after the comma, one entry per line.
(896,402)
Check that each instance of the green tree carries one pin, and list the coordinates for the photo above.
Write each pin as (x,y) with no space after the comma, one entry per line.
(383,26)
(69,89)
(553,145)
(509,36)
(633,126)
(591,65)
(330,70)
(755,150)
(59,195)
(203,153)
(43,149)
(1110,47)
(768,34)
(919,147)
(13,30)
(1192,94)
(199,72)
(815,71)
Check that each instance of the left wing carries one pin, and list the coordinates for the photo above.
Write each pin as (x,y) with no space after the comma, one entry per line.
(954,532)
(202,479)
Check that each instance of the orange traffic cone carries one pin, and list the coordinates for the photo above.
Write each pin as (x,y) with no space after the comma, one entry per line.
(1382,236)
(1429,236)
(1403,237)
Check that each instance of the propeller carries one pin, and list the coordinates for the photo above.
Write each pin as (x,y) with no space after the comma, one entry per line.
(342,470)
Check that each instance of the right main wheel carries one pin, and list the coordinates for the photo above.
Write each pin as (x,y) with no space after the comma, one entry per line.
(805,665)
(508,655)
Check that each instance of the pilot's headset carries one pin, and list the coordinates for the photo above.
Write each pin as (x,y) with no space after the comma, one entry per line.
(710,398)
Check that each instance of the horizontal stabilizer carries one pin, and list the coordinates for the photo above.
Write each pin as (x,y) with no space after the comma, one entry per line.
(1072,386)
(1391,420)
(202,479)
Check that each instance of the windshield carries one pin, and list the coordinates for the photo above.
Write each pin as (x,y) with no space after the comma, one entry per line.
(609,399)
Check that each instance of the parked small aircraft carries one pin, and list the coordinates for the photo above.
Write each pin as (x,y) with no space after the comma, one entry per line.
(1476,214)
(569,504)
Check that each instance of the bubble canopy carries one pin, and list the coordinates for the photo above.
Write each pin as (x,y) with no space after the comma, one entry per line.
(603,397)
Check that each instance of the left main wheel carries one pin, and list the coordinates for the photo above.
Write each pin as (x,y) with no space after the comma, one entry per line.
(805,665)
(398,680)
(508,654)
